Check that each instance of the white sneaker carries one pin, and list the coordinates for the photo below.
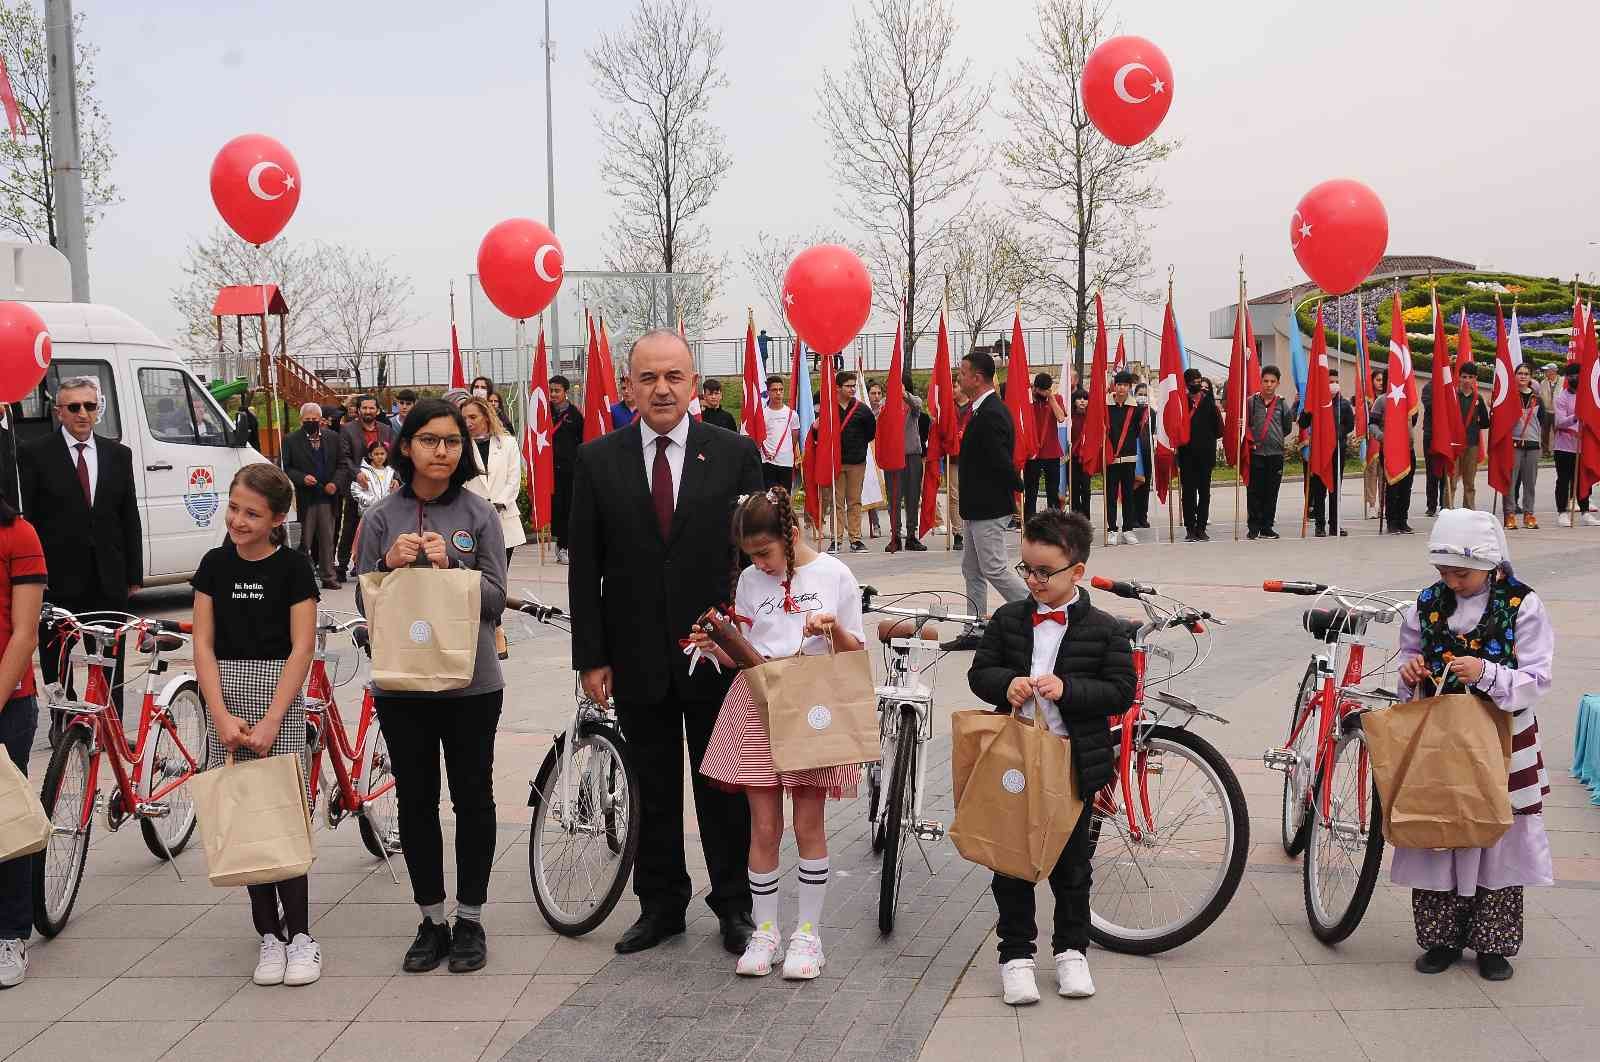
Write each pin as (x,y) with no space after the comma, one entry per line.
(1591,519)
(304,964)
(760,953)
(1130,539)
(561,556)
(1016,978)
(1565,519)
(274,960)
(1072,975)
(804,960)
(13,962)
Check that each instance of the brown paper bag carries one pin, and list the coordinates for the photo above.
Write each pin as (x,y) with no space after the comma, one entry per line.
(1016,799)
(1441,765)
(821,711)
(24,827)
(254,825)
(424,627)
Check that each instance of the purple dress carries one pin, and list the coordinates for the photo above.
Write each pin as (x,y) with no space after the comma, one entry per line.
(1522,855)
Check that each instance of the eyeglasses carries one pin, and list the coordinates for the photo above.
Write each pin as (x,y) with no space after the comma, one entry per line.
(80,407)
(448,443)
(1044,575)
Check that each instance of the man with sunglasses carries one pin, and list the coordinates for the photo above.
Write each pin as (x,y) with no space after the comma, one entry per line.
(311,458)
(78,491)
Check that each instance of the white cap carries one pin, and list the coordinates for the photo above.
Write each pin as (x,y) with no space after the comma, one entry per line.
(1467,538)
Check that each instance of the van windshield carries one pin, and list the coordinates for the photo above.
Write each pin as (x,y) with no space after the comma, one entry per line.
(34,413)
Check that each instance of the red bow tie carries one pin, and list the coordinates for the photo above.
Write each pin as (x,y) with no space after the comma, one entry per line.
(1050,617)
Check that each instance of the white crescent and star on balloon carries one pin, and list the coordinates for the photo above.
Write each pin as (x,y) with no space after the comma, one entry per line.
(539,263)
(41,356)
(253,179)
(1119,83)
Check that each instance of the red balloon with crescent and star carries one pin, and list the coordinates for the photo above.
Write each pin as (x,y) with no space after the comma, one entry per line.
(521,265)
(1127,89)
(827,296)
(1338,233)
(255,183)
(24,351)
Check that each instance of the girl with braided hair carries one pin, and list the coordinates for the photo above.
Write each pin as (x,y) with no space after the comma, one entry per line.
(791,599)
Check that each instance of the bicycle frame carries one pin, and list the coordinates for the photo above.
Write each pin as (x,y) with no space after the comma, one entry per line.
(906,686)
(351,760)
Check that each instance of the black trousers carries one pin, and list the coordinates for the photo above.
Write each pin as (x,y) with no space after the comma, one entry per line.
(417,729)
(349,518)
(1141,502)
(1069,884)
(1434,489)
(656,734)
(778,476)
(1397,500)
(904,486)
(50,646)
(1079,488)
(1048,468)
(18,721)
(561,504)
(1324,503)
(281,909)
(1195,475)
(1119,492)
(1566,474)
(1266,476)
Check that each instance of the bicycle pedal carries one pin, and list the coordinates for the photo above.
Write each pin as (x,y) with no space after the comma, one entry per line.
(147,810)
(929,830)
(1280,759)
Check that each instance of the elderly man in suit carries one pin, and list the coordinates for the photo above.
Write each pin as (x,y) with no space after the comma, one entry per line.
(652,549)
(78,490)
(312,458)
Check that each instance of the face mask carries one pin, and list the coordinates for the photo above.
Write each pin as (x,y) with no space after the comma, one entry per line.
(1333,388)
(1194,388)
(481,392)
(1143,400)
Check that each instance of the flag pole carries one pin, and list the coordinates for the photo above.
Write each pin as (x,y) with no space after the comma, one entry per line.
(1305,453)
(1244,402)
(949,465)
(1177,472)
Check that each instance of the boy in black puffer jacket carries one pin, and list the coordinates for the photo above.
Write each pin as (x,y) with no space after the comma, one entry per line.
(1056,651)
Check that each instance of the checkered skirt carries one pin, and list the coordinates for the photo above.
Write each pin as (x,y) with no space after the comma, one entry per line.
(739,754)
(247,689)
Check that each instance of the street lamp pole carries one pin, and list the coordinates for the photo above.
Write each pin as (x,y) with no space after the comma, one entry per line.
(66,174)
(550,176)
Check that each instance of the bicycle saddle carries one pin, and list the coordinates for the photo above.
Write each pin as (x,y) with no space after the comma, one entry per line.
(1325,624)
(901,627)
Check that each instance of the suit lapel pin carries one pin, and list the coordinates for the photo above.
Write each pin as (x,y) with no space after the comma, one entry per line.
(699,457)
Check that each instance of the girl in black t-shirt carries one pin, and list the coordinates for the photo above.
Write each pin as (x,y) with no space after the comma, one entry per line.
(255,617)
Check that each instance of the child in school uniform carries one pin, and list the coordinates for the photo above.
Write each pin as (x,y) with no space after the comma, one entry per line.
(795,600)
(255,617)
(1483,631)
(1054,652)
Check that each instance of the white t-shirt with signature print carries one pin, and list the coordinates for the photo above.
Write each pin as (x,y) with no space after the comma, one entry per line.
(824,585)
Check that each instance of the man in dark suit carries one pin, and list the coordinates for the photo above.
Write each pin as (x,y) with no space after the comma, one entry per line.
(566,435)
(246,425)
(1198,456)
(78,490)
(988,481)
(1322,504)
(652,506)
(311,457)
(354,438)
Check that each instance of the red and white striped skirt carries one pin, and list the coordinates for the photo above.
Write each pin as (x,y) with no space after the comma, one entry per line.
(740,753)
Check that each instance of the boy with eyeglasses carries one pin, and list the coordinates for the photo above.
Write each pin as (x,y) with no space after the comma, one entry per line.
(1055,653)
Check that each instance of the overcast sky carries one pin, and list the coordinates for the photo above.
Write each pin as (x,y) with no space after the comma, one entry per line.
(417,125)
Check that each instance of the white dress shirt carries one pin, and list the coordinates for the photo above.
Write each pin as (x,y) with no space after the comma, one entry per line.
(1047,638)
(678,442)
(90,457)
(976,402)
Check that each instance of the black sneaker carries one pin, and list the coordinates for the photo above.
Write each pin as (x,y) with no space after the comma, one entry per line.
(1437,959)
(858,546)
(1270,534)
(430,948)
(342,573)
(1321,532)
(961,643)
(915,546)
(469,947)
(1252,536)
(833,547)
(1492,967)
(958,543)
(1202,536)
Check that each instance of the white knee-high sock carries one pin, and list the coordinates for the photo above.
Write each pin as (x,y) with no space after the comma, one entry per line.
(813,874)
(764,898)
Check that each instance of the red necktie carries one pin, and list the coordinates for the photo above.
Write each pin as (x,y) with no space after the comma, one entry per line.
(83,476)
(1050,617)
(661,486)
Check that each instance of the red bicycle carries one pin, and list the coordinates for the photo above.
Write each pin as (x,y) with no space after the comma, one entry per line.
(151,777)
(1330,804)
(361,782)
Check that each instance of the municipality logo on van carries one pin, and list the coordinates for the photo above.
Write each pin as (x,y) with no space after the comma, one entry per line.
(200,495)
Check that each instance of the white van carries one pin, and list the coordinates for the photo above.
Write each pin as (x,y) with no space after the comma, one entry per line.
(183,442)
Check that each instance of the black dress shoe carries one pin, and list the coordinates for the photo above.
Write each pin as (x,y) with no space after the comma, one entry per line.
(1438,959)
(736,930)
(429,949)
(1202,536)
(1493,967)
(1253,535)
(1188,536)
(647,932)
(329,584)
(1321,532)
(915,546)
(1269,533)
(958,543)
(1343,533)
(469,947)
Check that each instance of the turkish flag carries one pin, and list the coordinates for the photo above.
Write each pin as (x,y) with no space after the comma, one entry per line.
(944,432)
(1121,361)
(1319,400)
(751,419)
(1172,405)
(458,375)
(1449,434)
(1019,396)
(613,392)
(1575,339)
(1504,406)
(890,440)
(1402,399)
(1364,398)
(596,408)
(1092,442)
(537,455)
(1588,408)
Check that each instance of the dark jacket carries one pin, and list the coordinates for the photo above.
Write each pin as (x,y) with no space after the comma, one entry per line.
(1129,435)
(300,460)
(988,474)
(93,555)
(353,449)
(1474,414)
(247,427)
(1344,420)
(1095,664)
(720,418)
(567,436)
(1205,428)
(633,595)
(855,436)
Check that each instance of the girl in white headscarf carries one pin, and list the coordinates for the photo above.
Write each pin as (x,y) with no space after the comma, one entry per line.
(1485,632)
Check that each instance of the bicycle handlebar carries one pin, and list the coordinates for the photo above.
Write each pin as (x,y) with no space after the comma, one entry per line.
(532,606)
(939,613)
(1284,586)
(1131,591)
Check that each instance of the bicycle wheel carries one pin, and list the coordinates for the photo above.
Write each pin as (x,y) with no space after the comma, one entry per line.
(171,832)
(1163,888)
(875,773)
(577,878)
(898,808)
(1297,778)
(65,794)
(1343,854)
(379,821)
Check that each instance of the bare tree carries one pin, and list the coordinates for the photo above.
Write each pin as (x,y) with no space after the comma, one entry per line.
(1084,192)
(633,306)
(220,259)
(663,159)
(769,259)
(903,118)
(992,264)
(27,193)
(365,304)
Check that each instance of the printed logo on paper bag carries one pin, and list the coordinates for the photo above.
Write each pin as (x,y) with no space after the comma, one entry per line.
(200,495)
(819,718)
(422,632)
(1013,781)
(463,541)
